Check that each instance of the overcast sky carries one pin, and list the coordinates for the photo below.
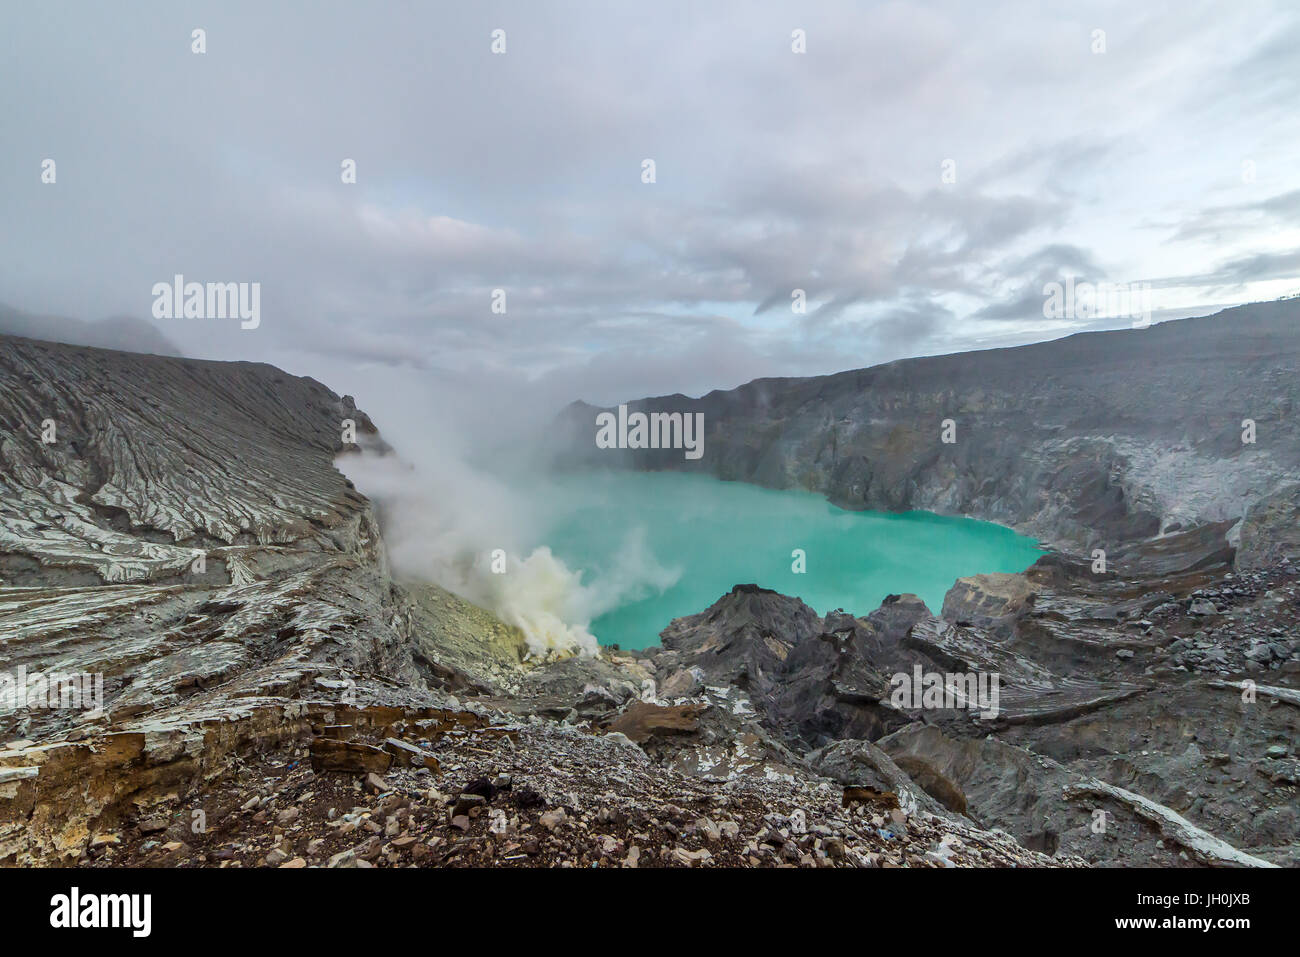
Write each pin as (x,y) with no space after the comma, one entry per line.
(1171,158)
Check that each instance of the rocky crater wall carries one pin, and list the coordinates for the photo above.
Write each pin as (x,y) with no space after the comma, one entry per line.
(1099,438)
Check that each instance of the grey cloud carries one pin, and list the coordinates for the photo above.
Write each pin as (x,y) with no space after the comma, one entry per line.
(1235,272)
(1054,263)
(1233,220)
(522,172)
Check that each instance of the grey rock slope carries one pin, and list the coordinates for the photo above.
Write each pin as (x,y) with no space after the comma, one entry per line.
(119,467)
(176,532)
(1092,440)
(1270,529)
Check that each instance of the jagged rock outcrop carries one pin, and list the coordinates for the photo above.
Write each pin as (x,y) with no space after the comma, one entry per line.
(1146,678)
(813,680)
(857,763)
(807,677)
(987,597)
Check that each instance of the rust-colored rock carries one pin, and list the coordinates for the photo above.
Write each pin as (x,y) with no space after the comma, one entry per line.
(855,795)
(330,754)
(408,755)
(641,721)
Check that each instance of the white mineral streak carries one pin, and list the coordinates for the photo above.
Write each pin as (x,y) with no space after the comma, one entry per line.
(1201,844)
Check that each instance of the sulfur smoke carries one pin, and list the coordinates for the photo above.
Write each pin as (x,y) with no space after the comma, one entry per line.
(445,520)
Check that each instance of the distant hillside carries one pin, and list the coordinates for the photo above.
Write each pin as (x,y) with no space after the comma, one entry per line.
(124,333)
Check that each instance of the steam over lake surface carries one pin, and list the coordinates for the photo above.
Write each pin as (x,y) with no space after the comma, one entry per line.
(650,547)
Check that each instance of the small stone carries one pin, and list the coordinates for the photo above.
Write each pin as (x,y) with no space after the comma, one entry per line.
(343,859)
(467,802)
(553,818)
(408,755)
(690,858)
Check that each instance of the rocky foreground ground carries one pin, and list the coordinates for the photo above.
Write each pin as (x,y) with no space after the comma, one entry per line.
(285,702)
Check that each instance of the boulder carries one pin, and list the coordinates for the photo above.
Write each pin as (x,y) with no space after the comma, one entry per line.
(331,754)
(641,721)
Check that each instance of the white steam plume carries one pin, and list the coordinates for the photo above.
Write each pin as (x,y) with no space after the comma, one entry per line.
(444,527)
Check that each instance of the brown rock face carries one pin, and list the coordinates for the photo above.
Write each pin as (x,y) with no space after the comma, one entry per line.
(329,754)
(935,784)
(642,721)
(987,596)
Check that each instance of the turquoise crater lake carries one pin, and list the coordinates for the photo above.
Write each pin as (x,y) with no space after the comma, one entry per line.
(654,546)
